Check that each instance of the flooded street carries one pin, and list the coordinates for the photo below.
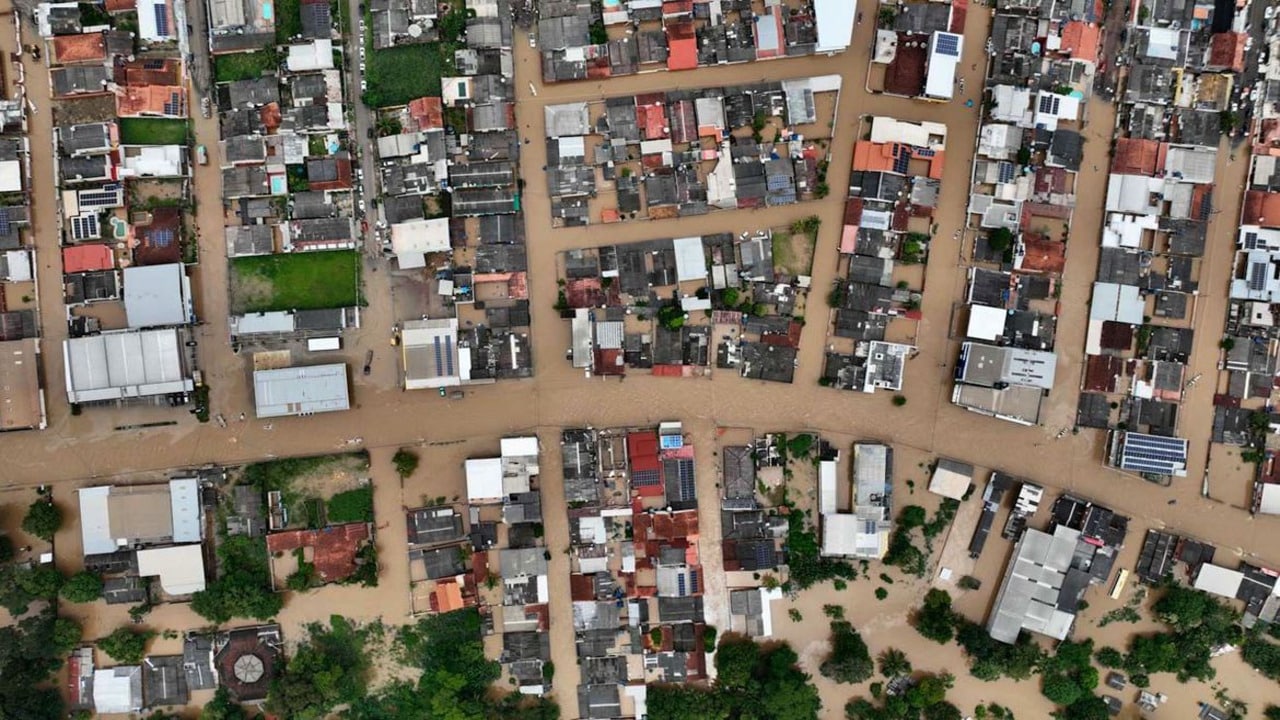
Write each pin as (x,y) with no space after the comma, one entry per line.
(78,450)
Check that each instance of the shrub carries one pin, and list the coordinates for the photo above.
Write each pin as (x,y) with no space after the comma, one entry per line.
(351,506)
(881,593)
(899,400)
(406,462)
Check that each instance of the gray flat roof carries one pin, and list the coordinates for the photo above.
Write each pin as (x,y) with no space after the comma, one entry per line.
(300,390)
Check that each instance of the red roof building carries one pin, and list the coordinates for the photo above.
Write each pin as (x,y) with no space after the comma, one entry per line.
(333,548)
(1261,208)
(682,46)
(87,258)
(1081,40)
(651,116)
(1226,51)
(79,48)
(1136,156)
(427,112)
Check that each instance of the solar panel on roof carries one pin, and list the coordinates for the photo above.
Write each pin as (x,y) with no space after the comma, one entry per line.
(948,45)
(448,354)
(1007,172)
(681,590)
(162,238)
(162,20)
(640,478)
(901,163)
(1257,277)
(93,199)
(439,364)
(153,64)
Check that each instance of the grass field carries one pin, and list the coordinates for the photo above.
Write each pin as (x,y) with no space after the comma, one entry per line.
(152,131)
(244,66)
(295,281)
(400,74)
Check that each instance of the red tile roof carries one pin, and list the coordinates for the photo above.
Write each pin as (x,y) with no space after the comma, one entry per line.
(1101,373)
(1043,254)
(642,450)
(1136,156)
(86,258)
(1080,40)
(121,5)
(428,112)
(682,46)
(165,100)
(1226,50)
(1261,208)
(334,547)
(79,48)
(651,116)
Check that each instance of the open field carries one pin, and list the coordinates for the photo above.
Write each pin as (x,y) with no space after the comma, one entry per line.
(244,66)
(297,281)
(153,131)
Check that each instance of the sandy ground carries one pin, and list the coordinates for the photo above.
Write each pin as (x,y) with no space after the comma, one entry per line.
(77,450)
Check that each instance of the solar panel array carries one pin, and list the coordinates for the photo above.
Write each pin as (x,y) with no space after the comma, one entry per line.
(174,105)
(688,487)
(443,347)
(1049,104)
(162,19)
(84,227)
(1153,454)
(681,589)
(901,159)
(640,478)
(162,238)
(1258,277)
(153,64)
(948,45)
(1007,172)
(5,226)
(95,199)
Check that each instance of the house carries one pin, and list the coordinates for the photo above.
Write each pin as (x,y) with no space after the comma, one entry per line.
(117,690)
(431,355)
(413,240)
(178,568)
(863,533)
(22,404)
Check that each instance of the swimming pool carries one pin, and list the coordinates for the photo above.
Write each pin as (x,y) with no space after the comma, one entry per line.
(279,185)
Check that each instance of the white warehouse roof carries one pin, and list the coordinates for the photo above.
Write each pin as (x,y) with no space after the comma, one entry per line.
(179,567)
(125,364)
(834,19)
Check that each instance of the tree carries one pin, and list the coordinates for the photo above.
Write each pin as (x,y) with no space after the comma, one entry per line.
(786,692)
(1272,712)
(861,709)
(21,585)
(244,590)
(406,462)
(1110,657)
(83,587)
(894,663)
(736,660)
(30,651)
(1089,707)
(684,702)
(849,661)
(935,619)
(1000,239)
(729,297)
(671,317)
(930,690)
(942,711)
(42,520)
(126,646)
(330,669)
(1059,688)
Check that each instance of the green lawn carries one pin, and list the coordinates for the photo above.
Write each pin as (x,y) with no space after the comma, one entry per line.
(295,281)
(244,66)
(399,74)
(152,131)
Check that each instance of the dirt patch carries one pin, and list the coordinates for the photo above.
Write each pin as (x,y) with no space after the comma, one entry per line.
(306,483)
(793,252)
(249,291)
(101,108)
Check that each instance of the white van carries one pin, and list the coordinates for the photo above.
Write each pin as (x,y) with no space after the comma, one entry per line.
(323,344)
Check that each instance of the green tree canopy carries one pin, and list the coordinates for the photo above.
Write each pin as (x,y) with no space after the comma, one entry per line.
(83,587)
(42,520)
(244,589)
(935,619)
(849,661)
(126,646)
(329,669)
(894,663)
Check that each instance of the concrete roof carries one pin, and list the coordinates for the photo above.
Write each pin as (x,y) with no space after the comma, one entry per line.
(1028,597)
(484,479)
(156,295)
(21,397)
(1218,580)
(179,567)
(951,479)
(300,390)
(117,690)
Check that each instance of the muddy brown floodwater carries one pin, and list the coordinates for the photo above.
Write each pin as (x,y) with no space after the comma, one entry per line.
(77,450)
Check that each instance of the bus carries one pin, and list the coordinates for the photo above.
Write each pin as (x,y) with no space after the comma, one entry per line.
(1118,588)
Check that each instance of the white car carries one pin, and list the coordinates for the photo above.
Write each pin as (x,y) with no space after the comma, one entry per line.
(1253,95)
(360,206)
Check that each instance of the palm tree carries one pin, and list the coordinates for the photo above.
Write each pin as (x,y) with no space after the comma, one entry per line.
(894,663)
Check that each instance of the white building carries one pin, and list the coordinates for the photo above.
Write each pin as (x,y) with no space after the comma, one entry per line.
(125,364)
(282,392)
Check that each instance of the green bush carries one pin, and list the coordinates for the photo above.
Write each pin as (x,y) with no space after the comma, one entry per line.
(406,462)
(83,587)
(351,506)
(935,619)
(126,646)
(244,589)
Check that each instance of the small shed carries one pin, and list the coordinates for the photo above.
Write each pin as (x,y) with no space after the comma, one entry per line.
(951,479)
